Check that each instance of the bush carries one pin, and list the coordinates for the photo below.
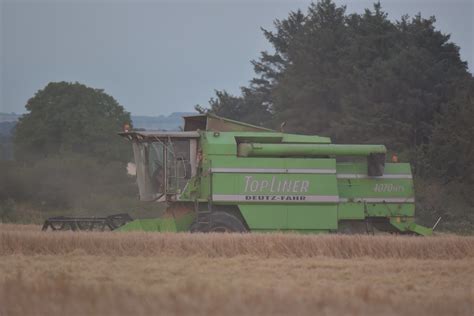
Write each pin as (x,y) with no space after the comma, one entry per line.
(7,211)
(453,202)
(72,185)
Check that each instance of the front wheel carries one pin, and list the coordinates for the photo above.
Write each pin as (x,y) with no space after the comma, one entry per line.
(220,222)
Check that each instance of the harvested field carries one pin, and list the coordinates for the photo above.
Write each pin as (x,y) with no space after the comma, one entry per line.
(150,273)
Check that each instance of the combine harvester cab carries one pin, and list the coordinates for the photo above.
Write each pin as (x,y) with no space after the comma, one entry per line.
(220,175)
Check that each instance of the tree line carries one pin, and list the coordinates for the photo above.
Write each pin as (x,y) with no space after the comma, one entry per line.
(362,78)
(68,158)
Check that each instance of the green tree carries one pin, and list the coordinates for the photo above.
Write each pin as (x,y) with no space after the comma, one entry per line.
(71,118)
(255,105)
(451,152)
(362,77)
(307,94)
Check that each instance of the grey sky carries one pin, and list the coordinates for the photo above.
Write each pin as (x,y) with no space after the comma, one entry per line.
(158,57)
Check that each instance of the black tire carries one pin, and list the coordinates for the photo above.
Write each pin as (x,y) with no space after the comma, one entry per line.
(198,227)
(221,222)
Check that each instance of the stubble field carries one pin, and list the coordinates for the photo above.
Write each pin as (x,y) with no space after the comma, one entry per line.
(251,274)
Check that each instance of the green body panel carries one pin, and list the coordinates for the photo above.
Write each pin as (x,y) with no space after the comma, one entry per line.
(348,211)
(380,188)
(357,190)
(312,217)
(250,162)
(290,217)
(257,216)
(254,186)
(253,191)
(420,230)
(408,225)
(308,150)
(390,209)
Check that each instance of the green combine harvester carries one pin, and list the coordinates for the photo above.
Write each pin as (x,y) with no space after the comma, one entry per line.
(220,175)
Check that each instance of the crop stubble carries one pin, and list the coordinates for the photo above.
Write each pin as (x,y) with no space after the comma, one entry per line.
(146,273)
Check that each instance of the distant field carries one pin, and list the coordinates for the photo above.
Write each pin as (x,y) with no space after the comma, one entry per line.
(150,273)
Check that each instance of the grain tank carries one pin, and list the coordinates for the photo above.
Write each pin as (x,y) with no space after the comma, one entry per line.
(220,175)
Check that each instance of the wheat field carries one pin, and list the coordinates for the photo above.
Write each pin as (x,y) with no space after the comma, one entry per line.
(65,273)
